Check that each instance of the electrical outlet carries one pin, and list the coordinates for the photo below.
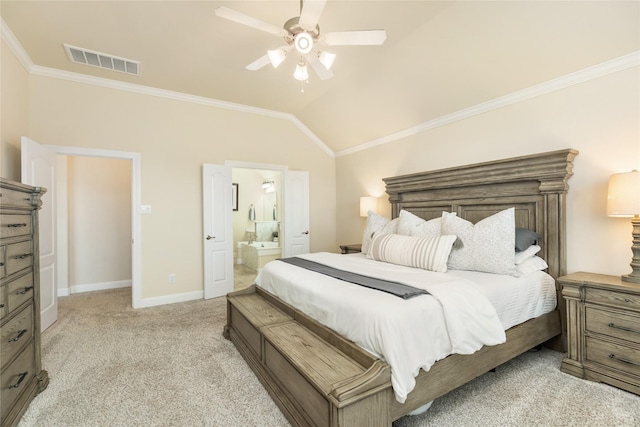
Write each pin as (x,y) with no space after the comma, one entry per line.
(172,278)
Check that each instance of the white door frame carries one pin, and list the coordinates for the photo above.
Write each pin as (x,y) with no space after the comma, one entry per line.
(136,232)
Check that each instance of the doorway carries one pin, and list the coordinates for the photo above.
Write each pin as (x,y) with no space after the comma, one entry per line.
(134,163)
(256,222)
(94,223)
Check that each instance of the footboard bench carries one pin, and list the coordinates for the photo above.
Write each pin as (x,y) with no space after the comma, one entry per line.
(316,377)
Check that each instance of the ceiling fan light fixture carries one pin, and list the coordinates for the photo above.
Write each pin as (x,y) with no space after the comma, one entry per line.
(301,72)
(276,56)
(303,42)
(326,59)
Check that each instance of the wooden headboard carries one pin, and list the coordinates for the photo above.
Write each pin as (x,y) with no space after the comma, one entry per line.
(536,185)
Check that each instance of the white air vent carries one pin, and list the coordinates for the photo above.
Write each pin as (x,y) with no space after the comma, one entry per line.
(102,60)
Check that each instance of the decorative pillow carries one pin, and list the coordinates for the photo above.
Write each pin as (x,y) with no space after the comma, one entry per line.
(535,263)
(526,254)
(412,225)
(375,223)
(525,238)
(390,228)
(428,253)
(486,246)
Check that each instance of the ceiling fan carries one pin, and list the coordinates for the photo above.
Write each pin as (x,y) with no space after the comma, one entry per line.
(302,35)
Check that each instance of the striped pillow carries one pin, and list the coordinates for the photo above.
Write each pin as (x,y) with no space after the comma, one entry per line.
(428,253)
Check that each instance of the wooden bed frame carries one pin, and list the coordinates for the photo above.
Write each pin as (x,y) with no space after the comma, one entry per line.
(319,378)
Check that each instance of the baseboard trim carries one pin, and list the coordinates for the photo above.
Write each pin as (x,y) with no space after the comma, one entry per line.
(171,299)
(90,287)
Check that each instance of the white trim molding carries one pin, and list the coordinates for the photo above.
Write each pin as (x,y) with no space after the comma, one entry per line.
(599,70)
(608,67)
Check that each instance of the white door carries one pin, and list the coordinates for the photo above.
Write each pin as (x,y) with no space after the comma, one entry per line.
(39,169)
(296,213)
(218,230)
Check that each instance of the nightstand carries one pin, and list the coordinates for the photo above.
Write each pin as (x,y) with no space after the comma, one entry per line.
(603,329)
(351,249)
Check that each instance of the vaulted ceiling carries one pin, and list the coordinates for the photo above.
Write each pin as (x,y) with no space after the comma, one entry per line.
(439,57)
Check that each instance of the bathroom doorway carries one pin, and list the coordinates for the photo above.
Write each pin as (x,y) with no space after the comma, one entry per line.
(256,221)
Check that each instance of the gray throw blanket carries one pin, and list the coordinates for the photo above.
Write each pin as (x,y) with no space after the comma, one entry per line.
(394,288)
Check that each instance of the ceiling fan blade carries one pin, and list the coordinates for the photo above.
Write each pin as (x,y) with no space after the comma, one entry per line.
(258,63)
(241,18)
(310,13)
(321,71)
(364,37)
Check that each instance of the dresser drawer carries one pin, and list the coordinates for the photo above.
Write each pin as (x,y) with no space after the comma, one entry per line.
(16,334)
(15,198)
(3,301)
(3,261)
(15,225)
(615,356)
(19,256)
(613,298)
(16,378)
(19,291)
(612,324)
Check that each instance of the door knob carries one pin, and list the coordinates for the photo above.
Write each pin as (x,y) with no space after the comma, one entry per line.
(210,237)
(305,232)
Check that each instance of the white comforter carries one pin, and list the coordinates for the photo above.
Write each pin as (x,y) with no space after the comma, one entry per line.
(408,334)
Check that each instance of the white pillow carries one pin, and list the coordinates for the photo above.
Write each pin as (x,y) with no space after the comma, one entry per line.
(375,223)
(412,225)
(486,246)
(534,263)
(428,253)
(526,254)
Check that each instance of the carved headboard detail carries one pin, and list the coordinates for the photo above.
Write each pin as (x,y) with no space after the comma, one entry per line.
(536,185)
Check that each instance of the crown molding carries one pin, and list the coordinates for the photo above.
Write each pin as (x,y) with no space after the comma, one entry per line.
(12,42)
(14,45)
(603,69)
(599,70)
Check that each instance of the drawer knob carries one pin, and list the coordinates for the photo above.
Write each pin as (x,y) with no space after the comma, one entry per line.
(21,378)
(1,264)
(623,328)
(18,335)
(613,356)
(23,256)
(17,225)
(1,305)
(25,290)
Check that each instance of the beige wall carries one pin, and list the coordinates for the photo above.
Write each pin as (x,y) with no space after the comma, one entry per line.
(14,112)
(99,221)
(600,118)
(175,138)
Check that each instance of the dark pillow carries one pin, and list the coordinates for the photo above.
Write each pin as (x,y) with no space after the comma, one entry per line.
(525,238)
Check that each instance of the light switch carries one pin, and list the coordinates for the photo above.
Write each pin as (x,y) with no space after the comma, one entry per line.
(146,210)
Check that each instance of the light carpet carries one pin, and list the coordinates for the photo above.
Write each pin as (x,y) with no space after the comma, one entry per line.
(110,365)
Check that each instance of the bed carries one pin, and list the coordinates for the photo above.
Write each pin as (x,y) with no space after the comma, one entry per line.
(318,377)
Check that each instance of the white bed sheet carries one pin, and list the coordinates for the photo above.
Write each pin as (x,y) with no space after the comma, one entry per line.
(409,334)
(516,299)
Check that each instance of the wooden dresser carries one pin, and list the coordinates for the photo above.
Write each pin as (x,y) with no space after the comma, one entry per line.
(603,329)
(21,375)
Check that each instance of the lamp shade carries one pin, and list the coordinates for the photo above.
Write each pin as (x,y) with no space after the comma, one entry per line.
(623,197)
(368,204)
(276,57)
(301,72)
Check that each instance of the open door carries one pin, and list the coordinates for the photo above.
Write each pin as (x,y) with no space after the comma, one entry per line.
(218,230)
(296,213)
(39,169)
